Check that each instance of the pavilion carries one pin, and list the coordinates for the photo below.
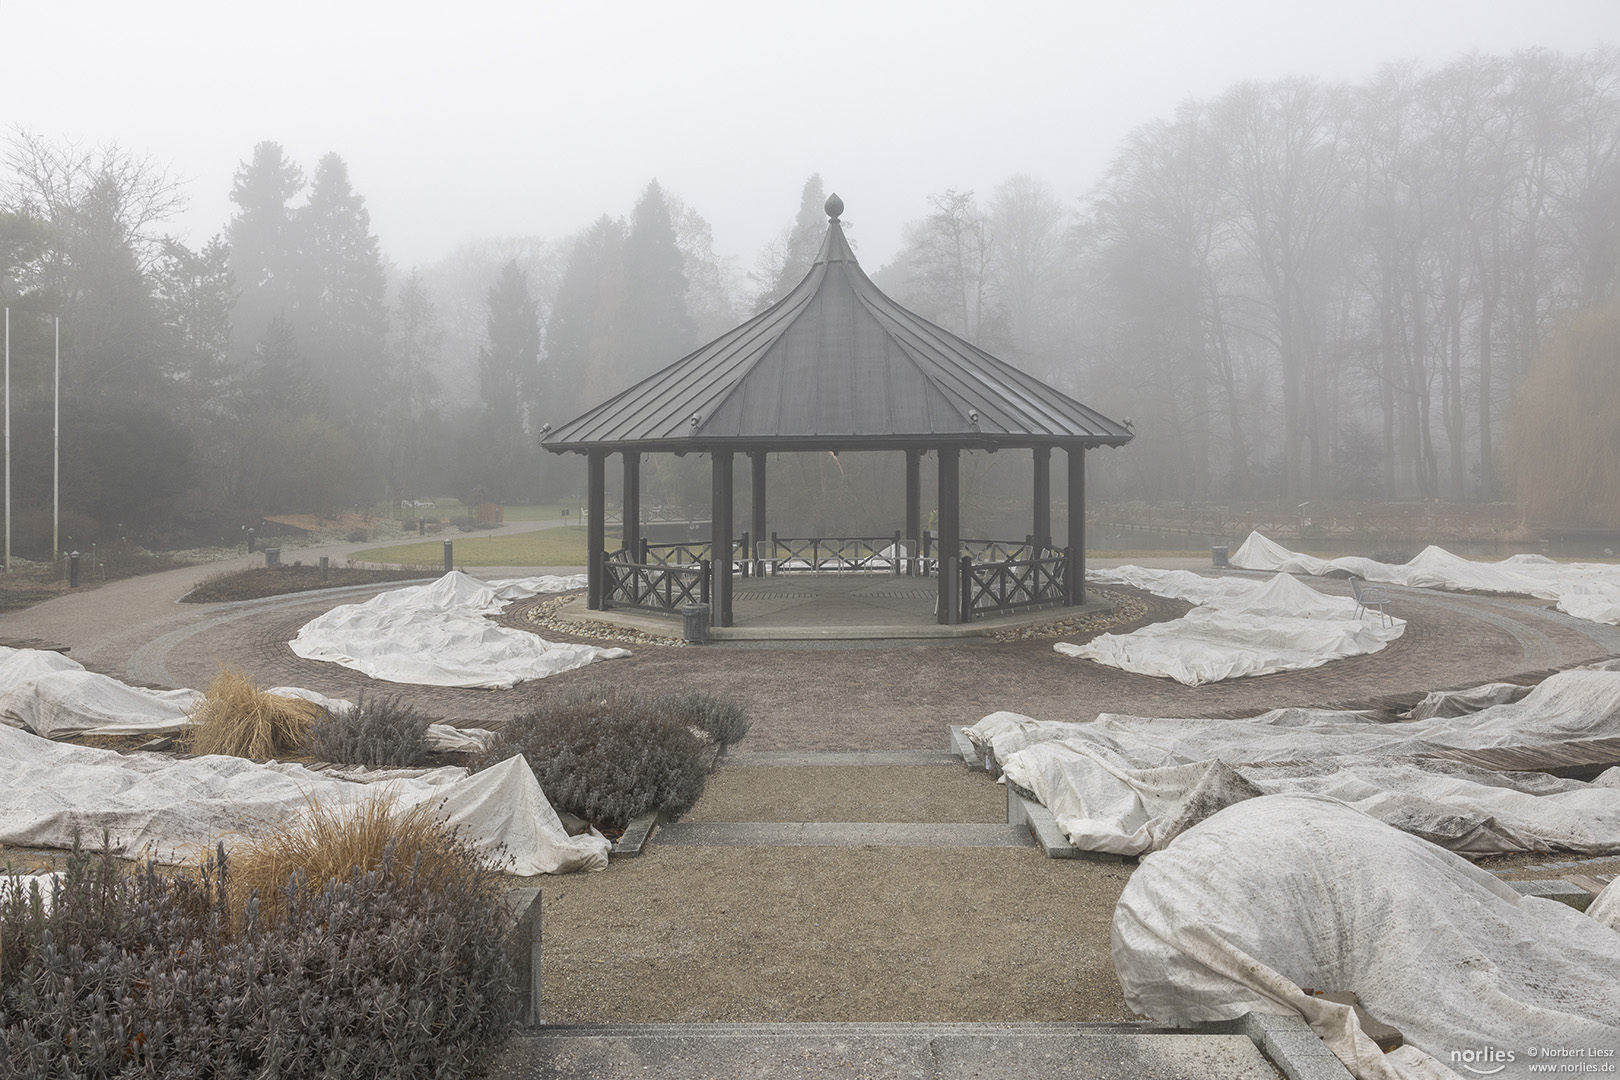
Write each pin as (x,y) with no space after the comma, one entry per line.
(836,365)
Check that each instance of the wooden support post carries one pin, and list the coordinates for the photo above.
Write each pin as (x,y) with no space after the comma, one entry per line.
(756,460)
(914,505)
(1077,522)
(631,531)
(595,525)
(1043,497)
(950,533)
(721,539)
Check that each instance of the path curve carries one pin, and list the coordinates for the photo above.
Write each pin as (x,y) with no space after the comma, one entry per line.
(817,696)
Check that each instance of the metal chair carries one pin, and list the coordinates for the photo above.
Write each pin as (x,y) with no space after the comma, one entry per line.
(1369,596)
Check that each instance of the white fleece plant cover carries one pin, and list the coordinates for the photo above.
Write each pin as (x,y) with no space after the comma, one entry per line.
(1287,892)
(1588,591)
(172,811)
(56,697)
(1606,908)
(1239,628)
(1129,784)
(438,635)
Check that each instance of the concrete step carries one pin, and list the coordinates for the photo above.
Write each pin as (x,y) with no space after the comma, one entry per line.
(898,1051)
(837,834)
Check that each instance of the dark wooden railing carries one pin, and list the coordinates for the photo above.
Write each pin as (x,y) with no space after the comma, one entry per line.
(999,550)
(1007,585)
(996,576)
(652,586)
(836,554)
(692,554)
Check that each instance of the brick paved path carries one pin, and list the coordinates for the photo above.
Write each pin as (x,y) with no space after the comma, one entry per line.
(824,696)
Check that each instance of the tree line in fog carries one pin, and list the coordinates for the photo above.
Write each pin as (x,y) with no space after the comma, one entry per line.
(1296,290)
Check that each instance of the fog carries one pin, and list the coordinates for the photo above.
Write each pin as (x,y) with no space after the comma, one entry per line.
(324,256)
(502,119)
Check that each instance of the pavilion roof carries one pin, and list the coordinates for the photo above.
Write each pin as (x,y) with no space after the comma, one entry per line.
(836,364)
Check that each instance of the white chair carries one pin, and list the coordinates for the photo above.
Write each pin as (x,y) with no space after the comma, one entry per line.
(1369,596)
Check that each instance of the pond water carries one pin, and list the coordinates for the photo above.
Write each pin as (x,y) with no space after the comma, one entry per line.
(1128,538)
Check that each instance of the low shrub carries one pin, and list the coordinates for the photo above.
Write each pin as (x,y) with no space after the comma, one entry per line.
(721,719)
(239,719)
(379,733)
(609,754)
(358,536)
(395,970)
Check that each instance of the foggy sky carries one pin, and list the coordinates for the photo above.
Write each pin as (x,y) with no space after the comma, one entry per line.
(479,119)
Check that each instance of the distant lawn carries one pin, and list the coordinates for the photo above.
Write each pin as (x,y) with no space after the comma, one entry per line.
(546,547)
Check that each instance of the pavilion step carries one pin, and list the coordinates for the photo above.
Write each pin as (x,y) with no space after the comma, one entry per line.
(918,1051)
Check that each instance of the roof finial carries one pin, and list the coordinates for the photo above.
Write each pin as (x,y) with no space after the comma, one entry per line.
(835,206)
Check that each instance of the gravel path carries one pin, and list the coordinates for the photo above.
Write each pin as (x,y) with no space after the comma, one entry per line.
(832,934)
(892,696)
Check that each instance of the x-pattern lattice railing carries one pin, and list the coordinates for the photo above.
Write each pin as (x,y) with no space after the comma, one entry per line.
(838,554)
(997,550)
(653,587)
(674,554)
(1012,584)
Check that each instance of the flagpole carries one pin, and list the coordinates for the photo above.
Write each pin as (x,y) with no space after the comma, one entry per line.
(8,440)
(56,453)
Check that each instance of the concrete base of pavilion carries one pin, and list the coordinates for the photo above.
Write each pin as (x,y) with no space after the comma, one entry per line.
(828,607)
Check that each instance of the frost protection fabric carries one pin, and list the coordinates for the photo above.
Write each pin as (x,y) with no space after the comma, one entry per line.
(439,635)
(57,698)
(1126,784)
(172,811)
(1286,892)
(1239,628)
(1588,591)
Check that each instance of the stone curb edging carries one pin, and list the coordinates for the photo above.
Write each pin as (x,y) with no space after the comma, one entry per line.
(1564,892)
(635,836)
(523,941)
(1292,1046)
(1285,1042)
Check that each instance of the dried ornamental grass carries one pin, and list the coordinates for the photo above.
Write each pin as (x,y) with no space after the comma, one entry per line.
(239,719)
(334,844)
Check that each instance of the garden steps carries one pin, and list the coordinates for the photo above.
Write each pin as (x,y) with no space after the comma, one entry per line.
(834,1051)
(857,799)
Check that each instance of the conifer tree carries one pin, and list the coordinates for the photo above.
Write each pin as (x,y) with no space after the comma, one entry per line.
(262,245)
(340,293)
(657,330)
(582,333)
